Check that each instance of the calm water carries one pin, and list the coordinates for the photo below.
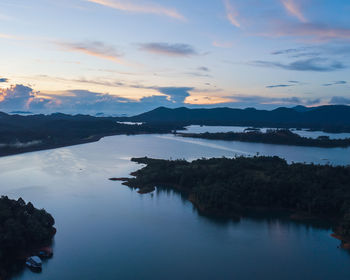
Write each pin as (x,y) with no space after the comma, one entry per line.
(304,132)
(107,231)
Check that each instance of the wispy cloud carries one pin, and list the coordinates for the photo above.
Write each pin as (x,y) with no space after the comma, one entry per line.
(145,8)
(97,49)
(203,68)
(169,49)
(279,86)
(252,100)
(335,83)
(313,64)
(294,9)
(8,36)
(220,44)
(310,32)
(232,13)
(301,52)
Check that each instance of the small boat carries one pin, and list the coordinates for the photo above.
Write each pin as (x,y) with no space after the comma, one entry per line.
(45,253)
(34,262)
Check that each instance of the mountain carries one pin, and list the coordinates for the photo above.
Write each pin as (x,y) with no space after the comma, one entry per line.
(37,132)
(301,108)
(332,118)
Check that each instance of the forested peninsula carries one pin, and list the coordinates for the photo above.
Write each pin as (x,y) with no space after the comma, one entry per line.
(272,136)
(20,134)
(23,230)
(235,187)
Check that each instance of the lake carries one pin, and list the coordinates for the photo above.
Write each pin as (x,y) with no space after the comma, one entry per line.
(302,132)
(107,231)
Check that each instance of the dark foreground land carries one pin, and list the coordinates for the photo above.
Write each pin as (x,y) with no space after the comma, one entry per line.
(272,136)
(23,230)
(236,187)
(19,134)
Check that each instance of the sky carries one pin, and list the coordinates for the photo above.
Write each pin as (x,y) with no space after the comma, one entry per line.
(130,56)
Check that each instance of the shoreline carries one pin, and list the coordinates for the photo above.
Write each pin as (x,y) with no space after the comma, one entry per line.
(274,137)
(242,197)
(50,147)
(290,214)
(44,147)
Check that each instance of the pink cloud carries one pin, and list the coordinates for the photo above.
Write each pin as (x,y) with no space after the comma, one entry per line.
(231,13)
(146,8)
(293,8)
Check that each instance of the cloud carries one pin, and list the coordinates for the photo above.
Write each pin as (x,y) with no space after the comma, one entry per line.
(221,44)
(198,74)
(293,8)
(312,64)
(203,68)
(20,97)
(286,51)
(339,100)
(146,8)
(231,14)
(259,101)
(312,32)
(176,94)
(3,80)
(299,52)
(339,49)
(9,36)
(335,83)
(95,48)
(169,49)
(279,86)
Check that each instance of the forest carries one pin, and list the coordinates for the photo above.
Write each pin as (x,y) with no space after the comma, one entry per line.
(272,136)
(23,228)
(234,187)
(20,134)
(328,118)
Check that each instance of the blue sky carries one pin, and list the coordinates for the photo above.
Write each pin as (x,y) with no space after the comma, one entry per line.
(129,56)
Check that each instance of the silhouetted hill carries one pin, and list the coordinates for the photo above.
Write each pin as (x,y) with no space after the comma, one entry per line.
(328,118)
(36,132)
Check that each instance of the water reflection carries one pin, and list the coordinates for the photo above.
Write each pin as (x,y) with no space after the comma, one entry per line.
(107,231)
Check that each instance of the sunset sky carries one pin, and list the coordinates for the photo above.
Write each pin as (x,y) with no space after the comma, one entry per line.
(129,56)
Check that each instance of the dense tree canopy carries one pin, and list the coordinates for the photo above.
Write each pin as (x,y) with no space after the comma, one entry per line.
(272,136)
(22,228)
(233,186)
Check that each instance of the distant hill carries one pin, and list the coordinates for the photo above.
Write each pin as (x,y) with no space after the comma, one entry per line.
(37,132)
(328,118)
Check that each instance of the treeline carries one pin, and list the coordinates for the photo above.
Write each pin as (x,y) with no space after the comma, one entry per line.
(22,229)
(231,187)
(29,133)
(272,136)
(331,118)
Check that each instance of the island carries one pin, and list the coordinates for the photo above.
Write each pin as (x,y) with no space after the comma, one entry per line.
(23,231)
(236,187)
(272,136)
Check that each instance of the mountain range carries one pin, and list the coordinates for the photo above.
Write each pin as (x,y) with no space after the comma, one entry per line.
(331,118)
